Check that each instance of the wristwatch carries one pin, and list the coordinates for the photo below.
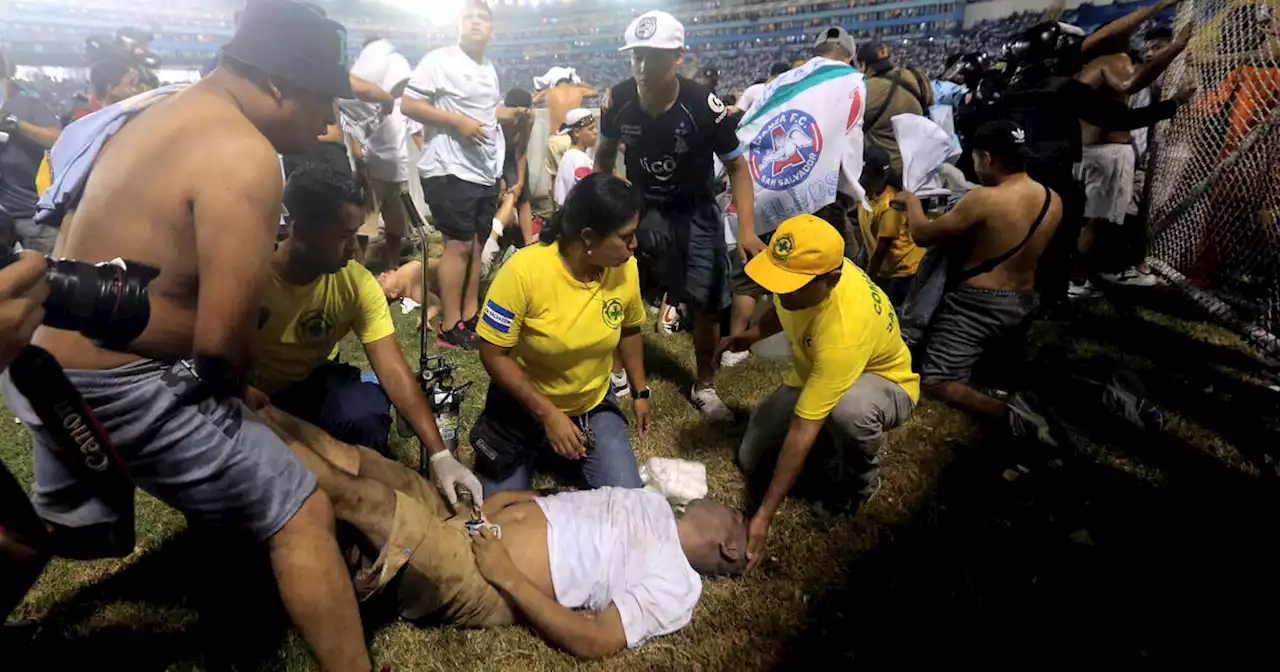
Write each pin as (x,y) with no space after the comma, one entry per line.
(641,394)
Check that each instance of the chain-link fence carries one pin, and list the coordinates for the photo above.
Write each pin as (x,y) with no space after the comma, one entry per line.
(1214,192)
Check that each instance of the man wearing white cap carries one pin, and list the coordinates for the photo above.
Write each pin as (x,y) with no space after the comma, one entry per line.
(580,128)
(673,128)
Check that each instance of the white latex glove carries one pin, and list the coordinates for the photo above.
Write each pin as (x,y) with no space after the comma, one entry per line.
(448,473)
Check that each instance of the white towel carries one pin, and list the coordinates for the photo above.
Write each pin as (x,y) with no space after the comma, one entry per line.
(680,481)
(408,305)
(554,75)
(925,146)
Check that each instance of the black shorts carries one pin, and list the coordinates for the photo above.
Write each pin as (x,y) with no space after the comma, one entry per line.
(462,210)
(684,249)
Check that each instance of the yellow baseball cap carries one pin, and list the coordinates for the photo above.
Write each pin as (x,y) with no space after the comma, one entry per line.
(802,248)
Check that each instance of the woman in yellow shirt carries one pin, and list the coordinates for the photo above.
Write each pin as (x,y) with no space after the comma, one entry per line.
(551,321)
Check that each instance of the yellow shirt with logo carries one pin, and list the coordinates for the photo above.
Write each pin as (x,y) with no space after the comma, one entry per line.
(300,325)
(885,222)
(854,331)
(561,331)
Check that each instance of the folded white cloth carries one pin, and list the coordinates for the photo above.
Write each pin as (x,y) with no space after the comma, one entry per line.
(408,305)
(680,481)
(925,146)
(554,75)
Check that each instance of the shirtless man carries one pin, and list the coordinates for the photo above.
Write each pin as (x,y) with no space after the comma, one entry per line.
(516,129)
(1108,158)
(565,96)
(593,572)
(192,186)
(1012,220)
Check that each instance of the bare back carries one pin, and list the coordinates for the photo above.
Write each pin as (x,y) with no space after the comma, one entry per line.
(1007,212)
(1100,74)
(563,99)
(141,203)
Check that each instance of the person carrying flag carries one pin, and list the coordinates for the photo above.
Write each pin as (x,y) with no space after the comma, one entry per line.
(802,141)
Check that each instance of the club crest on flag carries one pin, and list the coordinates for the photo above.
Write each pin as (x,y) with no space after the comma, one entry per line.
(785,151)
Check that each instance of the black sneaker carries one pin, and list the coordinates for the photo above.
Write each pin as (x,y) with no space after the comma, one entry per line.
(473,323)
(458,338)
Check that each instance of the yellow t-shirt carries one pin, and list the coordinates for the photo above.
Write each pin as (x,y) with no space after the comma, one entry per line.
(300,325)
(854,331)
(561,331)
(885,222)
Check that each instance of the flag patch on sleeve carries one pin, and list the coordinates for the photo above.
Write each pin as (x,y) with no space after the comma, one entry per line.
(498,317)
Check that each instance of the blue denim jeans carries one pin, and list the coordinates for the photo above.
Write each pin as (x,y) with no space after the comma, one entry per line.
(508,441)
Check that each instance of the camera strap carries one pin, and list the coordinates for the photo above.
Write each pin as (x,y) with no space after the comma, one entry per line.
(78,438)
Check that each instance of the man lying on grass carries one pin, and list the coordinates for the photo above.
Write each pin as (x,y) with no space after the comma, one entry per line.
(593,572)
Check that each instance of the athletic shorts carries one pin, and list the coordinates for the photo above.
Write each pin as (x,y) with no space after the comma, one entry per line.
(463,210)
(1108,181)
(684,249)
(383,204)
(969,322)
(428,562)
(213,460)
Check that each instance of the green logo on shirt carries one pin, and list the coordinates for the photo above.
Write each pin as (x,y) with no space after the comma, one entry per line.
(613,313)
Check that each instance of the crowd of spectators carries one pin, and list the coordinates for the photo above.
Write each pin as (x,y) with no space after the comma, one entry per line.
(741,64)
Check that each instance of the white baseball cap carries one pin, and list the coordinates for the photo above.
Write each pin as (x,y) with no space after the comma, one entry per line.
(655,30)
(575,119)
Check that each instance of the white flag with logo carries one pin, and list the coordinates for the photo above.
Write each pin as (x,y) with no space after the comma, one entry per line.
(803,141)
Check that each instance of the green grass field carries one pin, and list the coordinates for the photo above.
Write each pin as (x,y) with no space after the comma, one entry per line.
(1126,547)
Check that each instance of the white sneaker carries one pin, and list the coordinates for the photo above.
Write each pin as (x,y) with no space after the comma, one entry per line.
(671,321)
(1085,291)
(1132,277)
(707,401)
(621,386)
(730,359)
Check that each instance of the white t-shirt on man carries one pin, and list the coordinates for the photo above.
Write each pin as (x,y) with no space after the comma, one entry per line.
(454,83)
(386,148)
(620,546)
(574,165)
(382,137)
(750,95)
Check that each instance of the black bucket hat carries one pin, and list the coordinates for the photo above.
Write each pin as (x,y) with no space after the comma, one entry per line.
(296,43)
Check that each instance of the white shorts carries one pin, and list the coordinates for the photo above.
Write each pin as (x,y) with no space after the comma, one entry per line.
(1108,181)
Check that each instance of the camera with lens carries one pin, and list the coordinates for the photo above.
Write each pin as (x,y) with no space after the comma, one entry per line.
(108,302)
(129,45)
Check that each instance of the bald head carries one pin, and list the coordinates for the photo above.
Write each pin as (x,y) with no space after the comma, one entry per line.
(714,538)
